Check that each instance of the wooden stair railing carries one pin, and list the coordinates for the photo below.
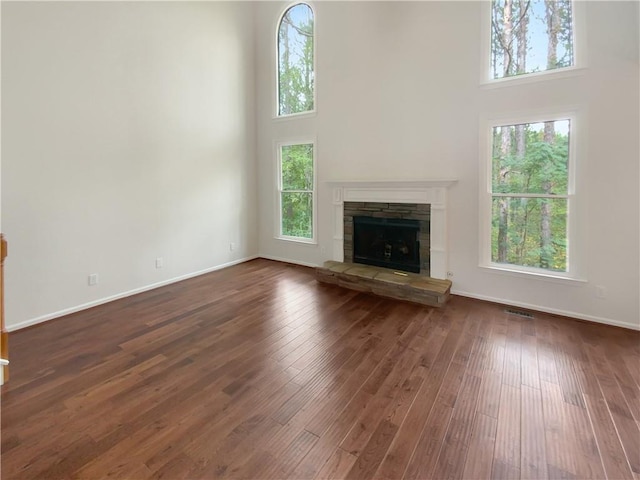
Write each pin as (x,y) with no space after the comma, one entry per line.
(4,336)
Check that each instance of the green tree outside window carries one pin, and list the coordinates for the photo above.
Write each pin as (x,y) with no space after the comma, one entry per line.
(296,190)
(529,36)
(530,194)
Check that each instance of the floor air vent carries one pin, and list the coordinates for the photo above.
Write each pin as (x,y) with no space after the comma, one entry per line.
(520,313)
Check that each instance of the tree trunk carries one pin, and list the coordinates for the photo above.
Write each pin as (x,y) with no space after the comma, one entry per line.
(525,231)
(284,68)
(507,37)
(546,248)
(503,203)
(505,134)
(521,36)
(521,66)
(553,28)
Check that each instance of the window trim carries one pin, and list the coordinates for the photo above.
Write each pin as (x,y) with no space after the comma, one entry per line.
(276,109)
(309,140)
(579,52)
(576,240)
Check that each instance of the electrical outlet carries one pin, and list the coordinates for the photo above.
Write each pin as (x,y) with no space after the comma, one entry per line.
(159,262)
(93,279)
(232,247)
(601,291)
(449,274)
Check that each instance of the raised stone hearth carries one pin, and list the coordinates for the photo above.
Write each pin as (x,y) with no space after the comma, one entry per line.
(411,287)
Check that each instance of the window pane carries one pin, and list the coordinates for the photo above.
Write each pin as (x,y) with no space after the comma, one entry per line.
(297,214)
(531,158)
(530,232)
(530,36)
(295,61)
(297,167)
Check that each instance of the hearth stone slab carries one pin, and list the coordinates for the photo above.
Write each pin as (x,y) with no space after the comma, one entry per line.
(385,282)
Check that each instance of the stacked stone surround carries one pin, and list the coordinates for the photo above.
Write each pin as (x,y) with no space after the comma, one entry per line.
(409,211)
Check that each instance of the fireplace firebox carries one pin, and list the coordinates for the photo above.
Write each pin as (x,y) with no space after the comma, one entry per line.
(391,212)
(387,242)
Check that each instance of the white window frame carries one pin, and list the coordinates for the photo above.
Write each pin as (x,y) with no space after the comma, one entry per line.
(576,239)
(278,155)
(579,49)
(276,110)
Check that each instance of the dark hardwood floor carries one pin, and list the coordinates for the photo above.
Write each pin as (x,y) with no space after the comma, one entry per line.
(258,371)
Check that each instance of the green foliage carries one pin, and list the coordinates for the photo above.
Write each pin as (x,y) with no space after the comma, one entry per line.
(297,167)
(297,214)
(534,228)
(296,196)
(523,233)
(540,163)
(295,61)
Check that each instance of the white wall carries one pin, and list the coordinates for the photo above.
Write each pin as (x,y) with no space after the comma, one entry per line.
(128,134)
(398,97)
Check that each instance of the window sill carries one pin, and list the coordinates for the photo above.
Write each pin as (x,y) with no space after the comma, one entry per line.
(537,77)
(554,277)
(295,116)
(305,241)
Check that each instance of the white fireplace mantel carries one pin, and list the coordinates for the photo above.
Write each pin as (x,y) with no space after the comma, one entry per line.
(432,192)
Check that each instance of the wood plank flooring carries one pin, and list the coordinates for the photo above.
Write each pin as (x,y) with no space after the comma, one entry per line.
(259,371)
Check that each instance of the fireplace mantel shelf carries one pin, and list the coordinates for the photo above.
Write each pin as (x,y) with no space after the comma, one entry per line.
(439,182)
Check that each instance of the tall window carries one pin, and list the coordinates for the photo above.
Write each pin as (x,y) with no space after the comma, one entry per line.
(297,191)
(296,92)
(530,193)
(530,36)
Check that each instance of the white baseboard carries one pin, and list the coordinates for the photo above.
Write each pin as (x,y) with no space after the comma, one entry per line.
(564,313)
(288,260)
(95,303)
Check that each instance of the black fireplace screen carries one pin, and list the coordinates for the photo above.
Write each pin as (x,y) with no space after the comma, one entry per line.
(387,242)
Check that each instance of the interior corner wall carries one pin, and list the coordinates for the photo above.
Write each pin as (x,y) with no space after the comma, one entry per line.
(399,97)
(128,134)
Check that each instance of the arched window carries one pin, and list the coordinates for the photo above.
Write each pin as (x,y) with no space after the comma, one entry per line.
(296,76)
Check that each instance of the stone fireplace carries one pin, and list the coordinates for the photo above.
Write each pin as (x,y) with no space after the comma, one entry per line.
(426,200)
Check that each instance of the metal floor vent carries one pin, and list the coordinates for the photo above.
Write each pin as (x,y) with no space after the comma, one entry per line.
(520,313)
